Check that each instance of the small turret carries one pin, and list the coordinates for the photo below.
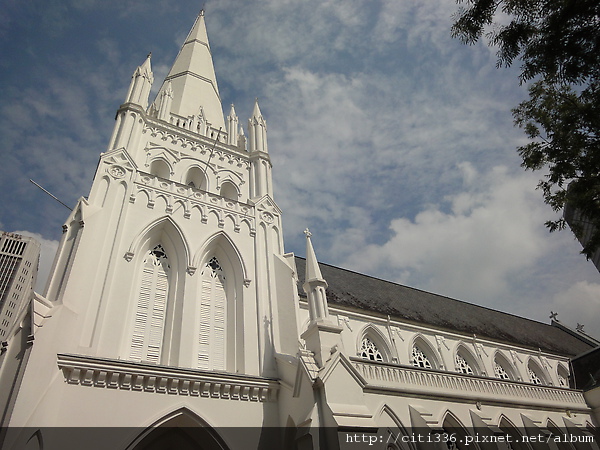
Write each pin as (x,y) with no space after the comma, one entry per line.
(322,335)
(257,131)
(165,99)
(141,83)
(314,285)
(261,182)
(232,127)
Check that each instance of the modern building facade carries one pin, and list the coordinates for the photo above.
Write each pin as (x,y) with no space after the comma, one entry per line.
(19,257)
(173,316)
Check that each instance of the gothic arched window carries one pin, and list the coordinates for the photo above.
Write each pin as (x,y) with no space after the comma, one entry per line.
(195,178)
(563,377)
(229,190)
(462,365)
(213,317)
(502,369)
(369,350)
(160,169)
(420,359)
(151,309)
(535,374)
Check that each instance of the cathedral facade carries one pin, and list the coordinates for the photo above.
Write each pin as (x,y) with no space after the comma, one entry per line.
(173,318)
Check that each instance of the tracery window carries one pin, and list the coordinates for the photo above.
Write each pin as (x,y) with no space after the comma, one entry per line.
(420,359)
(151,309)
(369,350)
(500,371)
(212,317)
(462,365)
(563,377)
(533,376)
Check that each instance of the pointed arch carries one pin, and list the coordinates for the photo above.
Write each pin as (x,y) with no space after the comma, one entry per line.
(503,368)
(535,373)
(453,427)
(229,190)
(220,239)
(372,344)
(162,226)
(161,168)
(392,429)
(159,256)
(196,177)
(557,431)
(423,354)
(35,441)
(465,361)
(219,307)
(510,429)
(180,429)
(562,374)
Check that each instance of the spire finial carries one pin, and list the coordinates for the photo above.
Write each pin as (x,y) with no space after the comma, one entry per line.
(307,233)
(553,316)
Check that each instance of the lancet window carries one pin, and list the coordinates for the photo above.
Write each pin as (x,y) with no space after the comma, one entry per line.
(212,317)
(420,359)
(151,308)
(563,377)
(500,371)
(369,350)
(534,376)
(462,365)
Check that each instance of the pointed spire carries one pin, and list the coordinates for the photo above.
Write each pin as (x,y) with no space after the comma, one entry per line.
(314,285)
(313,272)
(141,83)
(257,131)
(232,127)
(256,114)
(165,99)
(193,78)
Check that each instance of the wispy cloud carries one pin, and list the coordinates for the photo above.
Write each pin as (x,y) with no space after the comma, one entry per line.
(391,140)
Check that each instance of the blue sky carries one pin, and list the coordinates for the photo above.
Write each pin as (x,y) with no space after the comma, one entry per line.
(392,141)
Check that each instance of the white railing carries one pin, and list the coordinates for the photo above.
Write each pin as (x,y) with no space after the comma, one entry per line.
(428,383)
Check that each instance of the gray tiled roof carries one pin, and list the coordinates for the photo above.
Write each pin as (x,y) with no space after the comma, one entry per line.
(361,292)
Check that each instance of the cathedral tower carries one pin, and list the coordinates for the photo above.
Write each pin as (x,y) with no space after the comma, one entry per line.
(174,263)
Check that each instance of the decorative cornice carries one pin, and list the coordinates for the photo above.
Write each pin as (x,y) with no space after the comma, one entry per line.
(134,376)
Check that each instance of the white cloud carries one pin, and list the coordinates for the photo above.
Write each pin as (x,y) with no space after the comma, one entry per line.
(469,245)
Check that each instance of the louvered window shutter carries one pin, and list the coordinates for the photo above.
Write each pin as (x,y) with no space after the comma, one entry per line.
(147,337)
(212,318)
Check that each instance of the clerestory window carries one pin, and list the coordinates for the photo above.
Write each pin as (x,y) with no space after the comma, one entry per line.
(462,365)
(369,350)
(420,359)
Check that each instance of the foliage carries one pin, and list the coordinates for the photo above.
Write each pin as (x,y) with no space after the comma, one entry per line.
(558,45)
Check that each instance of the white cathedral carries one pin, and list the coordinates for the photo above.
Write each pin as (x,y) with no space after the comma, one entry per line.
(173,318)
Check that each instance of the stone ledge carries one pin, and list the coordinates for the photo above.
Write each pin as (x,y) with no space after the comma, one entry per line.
(133,376)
